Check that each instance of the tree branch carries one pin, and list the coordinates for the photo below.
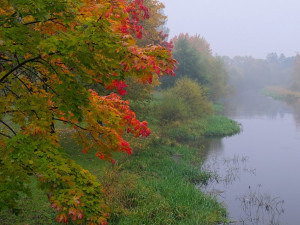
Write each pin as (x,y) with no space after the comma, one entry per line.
(66,121)
(42,80)
(33,22)
(8,127)
(30,90)
(17,96)
(82,128)
(18,66)
(48,64)
(4,59)
(5,135)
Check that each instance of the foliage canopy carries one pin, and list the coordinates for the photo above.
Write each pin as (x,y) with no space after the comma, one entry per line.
(51,53)
(187,100)
(195,61)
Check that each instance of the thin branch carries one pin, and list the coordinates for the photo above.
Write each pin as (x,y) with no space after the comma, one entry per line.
(5,135)
(66,121)
(82,128)
(99,18)
(23,112)
(48,64)
(18,66)
(8,127)
(33,22)
(41,79)
(17,58)
(30,90)
(4,59)
(11,111)
(17,96)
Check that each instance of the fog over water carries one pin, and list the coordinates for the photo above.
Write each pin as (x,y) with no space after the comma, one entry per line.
(257,169)
(234,27)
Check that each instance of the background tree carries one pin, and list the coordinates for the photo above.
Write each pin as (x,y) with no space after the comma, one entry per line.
(195,61)
(296,74)
(51,53)
(140,94)
(248,73)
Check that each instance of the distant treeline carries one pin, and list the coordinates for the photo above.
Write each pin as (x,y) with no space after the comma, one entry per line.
(248,73)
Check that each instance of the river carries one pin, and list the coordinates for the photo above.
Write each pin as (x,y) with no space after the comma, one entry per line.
(258,171)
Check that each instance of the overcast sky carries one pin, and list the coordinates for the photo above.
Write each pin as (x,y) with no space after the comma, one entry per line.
(239,27)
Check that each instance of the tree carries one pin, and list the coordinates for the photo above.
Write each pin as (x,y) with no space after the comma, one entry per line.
(138,93)
(188,59)
(248,73)
(51,53)
(195,61)
(296,74)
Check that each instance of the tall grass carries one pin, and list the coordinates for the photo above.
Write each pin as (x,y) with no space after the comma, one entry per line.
(163,189)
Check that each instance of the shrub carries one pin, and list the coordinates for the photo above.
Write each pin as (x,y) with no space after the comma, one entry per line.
(186,100)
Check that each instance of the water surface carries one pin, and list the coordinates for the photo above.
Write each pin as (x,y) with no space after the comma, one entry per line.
(258,169)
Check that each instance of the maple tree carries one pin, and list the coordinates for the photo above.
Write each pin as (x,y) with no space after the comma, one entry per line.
(51,53)
(138,93)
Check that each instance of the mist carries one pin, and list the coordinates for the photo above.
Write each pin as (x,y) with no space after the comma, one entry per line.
(239,28)
(258,44)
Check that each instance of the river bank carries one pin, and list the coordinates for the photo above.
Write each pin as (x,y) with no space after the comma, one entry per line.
(282,93)
(154,185)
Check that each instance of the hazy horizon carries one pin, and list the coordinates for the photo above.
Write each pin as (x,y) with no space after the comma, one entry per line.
(239,28)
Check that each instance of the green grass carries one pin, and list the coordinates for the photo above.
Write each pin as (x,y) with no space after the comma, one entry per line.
(218,108)
(211,126)
(155,185)
(35,209)
(220,126)
(163,190)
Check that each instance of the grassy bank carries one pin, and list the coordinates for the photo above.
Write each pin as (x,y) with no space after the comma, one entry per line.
(281,93)
(155,185)
(211,126)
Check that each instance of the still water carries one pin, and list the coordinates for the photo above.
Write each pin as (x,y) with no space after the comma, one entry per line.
(258,171)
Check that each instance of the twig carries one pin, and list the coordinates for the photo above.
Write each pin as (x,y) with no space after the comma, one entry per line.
(5,135)
(18,66)
(8,127)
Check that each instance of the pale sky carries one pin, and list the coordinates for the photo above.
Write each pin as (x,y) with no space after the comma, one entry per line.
(239,27)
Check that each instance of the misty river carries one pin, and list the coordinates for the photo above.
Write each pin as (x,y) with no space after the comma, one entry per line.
(257,171)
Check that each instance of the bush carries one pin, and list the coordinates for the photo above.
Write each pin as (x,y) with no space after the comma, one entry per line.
(186,100)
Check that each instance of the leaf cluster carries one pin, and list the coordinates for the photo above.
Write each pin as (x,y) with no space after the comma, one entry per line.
(51,54)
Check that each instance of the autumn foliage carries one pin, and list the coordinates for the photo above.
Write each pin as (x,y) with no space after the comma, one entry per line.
(51,53)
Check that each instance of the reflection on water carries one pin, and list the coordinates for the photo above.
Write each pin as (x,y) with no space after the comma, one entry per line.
(249,105)
(260,208)
(256,171)
(226,170)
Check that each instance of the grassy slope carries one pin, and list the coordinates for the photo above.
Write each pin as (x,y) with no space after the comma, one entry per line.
(163,191)
(156,185)
(211,126)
